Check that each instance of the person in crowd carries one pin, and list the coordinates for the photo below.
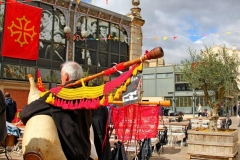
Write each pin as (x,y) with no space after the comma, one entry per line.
(11,107)
(58,48)
(228,122)
(238,109)
(221,109)
(235,110)
(199,110)
(223,123)
(73,125)
(205,113)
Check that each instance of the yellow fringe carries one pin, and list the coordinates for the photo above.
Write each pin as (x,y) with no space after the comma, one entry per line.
(124,87)
(135,71)
(43,93)
(119,90)
(49,99)
(128,81)
(140,67)
(52,102)
(116,96)
(102,100)
(110,98)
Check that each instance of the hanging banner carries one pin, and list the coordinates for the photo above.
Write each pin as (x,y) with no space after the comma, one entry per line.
(135,122)
(132,94)
(21,31)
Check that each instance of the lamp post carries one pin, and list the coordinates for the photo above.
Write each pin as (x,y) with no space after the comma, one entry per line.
(173,101)
(194,104)
(67,30)
(84,35)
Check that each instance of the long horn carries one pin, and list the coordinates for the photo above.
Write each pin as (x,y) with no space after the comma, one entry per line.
(34,93)
(153,54)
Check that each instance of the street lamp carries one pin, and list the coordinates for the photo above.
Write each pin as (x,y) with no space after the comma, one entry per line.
(173,100)
(194,104)
(84,35)
(67,30)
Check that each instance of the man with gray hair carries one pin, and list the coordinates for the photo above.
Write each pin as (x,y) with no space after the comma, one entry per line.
(72,125)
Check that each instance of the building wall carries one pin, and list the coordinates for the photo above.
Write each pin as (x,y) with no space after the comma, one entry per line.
(13,72)
(156,86)
(20,96)
(159,83)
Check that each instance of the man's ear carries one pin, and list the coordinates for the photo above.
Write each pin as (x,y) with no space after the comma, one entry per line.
(67,77)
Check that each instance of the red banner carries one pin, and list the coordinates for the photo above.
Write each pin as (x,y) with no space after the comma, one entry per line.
(135,122)
(21,31)
(39,81)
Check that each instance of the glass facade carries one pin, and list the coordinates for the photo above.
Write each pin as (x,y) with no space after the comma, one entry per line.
(164,75)
(104,43)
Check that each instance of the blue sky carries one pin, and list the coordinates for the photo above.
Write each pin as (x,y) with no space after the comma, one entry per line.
(194,22)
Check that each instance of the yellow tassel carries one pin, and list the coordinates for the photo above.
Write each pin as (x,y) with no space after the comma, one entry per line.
(140,67)
(135,72)
(110,98)
(52,102)
(116,96)
(128,81)
(124,87)
(43,93)
(49,99)
(102,100)
(119,90)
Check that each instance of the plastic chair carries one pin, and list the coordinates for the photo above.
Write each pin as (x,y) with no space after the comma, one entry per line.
(195,123)
(205,123)
(175,132)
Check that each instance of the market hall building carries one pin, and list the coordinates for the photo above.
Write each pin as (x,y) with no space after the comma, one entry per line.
(94,37)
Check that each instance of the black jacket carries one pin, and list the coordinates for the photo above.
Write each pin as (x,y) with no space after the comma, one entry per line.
(72,125)
(101,137)
(11,109)
(3,128)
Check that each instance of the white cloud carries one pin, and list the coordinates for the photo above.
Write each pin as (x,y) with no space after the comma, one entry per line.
(177,17)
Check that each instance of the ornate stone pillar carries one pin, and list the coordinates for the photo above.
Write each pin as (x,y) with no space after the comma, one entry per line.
(136,31)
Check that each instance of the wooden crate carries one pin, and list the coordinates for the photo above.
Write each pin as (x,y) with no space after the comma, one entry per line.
(213,144)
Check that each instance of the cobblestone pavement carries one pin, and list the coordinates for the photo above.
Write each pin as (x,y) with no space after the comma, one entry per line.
(170,153)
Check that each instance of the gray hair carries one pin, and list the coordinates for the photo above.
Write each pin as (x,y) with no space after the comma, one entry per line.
(73,69)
